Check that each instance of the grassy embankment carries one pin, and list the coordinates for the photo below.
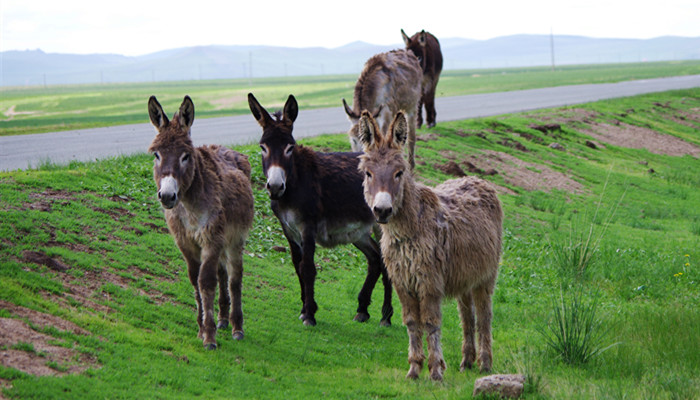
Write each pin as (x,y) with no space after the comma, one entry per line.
(126,285)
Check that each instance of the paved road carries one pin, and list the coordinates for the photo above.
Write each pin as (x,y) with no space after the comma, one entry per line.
(27,151)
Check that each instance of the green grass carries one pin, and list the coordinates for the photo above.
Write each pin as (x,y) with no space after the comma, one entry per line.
(102,220)
(57,108)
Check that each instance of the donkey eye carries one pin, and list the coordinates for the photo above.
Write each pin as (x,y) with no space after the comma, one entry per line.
(398,175)
(263,150)
(185,157)
(155,153)
(368,174)
(288,150)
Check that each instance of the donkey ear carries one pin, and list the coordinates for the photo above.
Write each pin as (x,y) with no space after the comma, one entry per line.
(155,112)
(399,128)
(186,113)
(352,114)
(260,114)
(368,130)
(422,40)
(291,109)
(406,39)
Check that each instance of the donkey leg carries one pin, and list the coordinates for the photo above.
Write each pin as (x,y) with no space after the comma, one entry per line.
(235,279)
(296,251)
(207,289)
(371,250)
(419,115)
(466,315)
(432,321)
(411,142)
(307,267)
(484,315)
(412,319)
(193,265)
(430,107)
(224,298)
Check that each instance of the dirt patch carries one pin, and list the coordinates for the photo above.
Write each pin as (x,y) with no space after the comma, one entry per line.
(34,352)
(221,103)
(566,115)
(636,137)
(526,175)
(426,137)
(42,320)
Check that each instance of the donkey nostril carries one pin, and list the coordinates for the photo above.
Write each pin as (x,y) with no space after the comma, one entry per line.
(159,195)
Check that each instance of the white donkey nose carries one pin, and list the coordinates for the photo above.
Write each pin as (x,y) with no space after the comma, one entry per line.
(276,181)
(168,192)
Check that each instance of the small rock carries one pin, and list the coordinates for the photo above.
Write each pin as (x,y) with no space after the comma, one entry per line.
(510,386)
(591,144)
(279,249)
(556,146)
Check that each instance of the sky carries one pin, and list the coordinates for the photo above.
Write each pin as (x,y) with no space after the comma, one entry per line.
(138,27)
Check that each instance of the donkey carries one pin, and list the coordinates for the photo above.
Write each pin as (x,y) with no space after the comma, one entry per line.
(388,83)
(317,198)
(427,48)
(436,242)
(208,204)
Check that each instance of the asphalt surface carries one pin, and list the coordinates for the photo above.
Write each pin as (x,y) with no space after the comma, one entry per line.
(30,151)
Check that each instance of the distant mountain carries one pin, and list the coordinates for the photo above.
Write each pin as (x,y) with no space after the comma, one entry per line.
(34,67)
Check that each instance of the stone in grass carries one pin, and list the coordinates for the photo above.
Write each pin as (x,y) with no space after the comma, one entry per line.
(508,386)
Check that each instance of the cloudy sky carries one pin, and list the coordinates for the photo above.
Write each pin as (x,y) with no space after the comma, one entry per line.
(136,27)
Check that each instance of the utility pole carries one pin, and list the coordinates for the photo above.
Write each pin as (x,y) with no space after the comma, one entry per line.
(250,66)
(551,46)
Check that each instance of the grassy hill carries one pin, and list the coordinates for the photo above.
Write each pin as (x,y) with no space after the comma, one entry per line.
(95,301)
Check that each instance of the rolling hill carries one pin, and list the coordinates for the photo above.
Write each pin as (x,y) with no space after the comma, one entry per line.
(35,67)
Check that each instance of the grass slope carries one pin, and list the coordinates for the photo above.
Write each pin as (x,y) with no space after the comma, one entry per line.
(117,275)
(56,108)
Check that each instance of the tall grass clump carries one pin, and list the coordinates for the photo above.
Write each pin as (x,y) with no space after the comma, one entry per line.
(575,332)
(575,255)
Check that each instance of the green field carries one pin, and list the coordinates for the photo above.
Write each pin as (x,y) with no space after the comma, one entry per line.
(119,304)
(56,108)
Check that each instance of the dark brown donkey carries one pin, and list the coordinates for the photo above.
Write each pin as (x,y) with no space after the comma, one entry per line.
(317,198)
(208,204)
(427,48)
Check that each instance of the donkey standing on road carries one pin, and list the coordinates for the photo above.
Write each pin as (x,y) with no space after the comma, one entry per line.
(208,204)
(436,242)
(390,82)
(427,48)
(317,198)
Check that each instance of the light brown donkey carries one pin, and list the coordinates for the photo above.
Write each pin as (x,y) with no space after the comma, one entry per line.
(208,204)
(388,83)
(436,242)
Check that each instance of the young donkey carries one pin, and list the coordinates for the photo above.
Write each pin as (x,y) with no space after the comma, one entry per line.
(317,198)
(388,83)
(208,204)
(436,242)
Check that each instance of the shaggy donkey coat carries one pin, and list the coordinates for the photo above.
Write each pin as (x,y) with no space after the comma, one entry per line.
(436,242)
(388,83)
(208,205)
(427,48)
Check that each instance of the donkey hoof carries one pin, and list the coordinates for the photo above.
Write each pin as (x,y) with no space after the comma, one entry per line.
(302,316)
(223,324)
(310,321)
(385,323)
(412,374)
(436,375)
(237,335)
(210,346)
(361,317)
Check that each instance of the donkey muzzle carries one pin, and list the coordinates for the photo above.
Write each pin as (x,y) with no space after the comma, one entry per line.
(382,207)
(168,192)
(276,182)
